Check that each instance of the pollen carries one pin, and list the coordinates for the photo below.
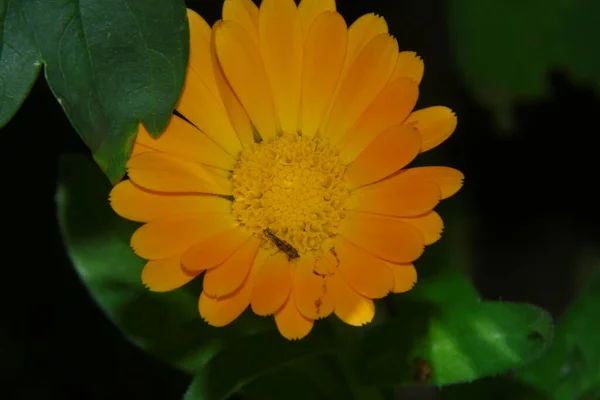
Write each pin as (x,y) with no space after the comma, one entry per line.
(293,186)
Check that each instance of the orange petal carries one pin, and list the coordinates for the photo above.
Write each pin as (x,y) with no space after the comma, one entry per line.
(324,53)
(242,64)
(280,33)
(430,225)
(405,277)
(165,275)
(230,275)
(239,119)
(182,139)
(139,148)
(199,58)
(388,238)
(222,311)
(245,13)
(409,65)
(206,111)
(172,236)
(396,196)
(435,124)
(365,78)
(310,290)
(309,10)
(272,285)
(391,150)
(166,173)
(291,323)
(350,307)
(391,107)
(214,250)
(449,180)
(368,275)
(361,32)
(137,204)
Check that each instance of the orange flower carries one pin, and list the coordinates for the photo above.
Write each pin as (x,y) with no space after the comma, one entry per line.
(287,188)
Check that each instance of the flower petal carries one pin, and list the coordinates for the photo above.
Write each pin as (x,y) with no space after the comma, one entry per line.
(272,285)
(361,32)
(238,116)
(391,150)
(214,250)
(310,290)
(172,236)
(365,78)
(388,238)
(391,107)
(206,111)
(242,64)
(309,10)
(368,275)
(245,13)
(199,58)
(229,276)
(224,310)
(350,307)
(324,53)
(183,139)
(137,204)
(396,196)
(165,274)
(409,65)
(291,323)
(449,180)
(430,225)
(435,124)
(167,173)
(280,38)
(405,277)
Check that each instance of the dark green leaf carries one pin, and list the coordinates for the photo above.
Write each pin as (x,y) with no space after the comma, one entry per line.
(444,334)
(19,59)
(571,367)
(167,325)
(316,377)
(505,50)
(250,358)
(112,63)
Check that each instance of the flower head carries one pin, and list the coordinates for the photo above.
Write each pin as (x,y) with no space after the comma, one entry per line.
(287,188)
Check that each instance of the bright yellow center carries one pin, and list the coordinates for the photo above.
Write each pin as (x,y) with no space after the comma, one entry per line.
(292,186)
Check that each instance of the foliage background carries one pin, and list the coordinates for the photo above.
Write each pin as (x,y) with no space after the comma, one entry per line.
(527,215)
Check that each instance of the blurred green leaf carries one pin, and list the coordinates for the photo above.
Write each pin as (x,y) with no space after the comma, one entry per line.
(250,358)
(505,50)
(442,333)
(110,64)
(167,325)
(571,368)
(19,60)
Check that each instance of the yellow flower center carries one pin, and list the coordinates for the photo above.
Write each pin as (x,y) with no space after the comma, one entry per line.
(291,191)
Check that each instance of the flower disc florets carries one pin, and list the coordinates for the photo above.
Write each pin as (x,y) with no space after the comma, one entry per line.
(292,186)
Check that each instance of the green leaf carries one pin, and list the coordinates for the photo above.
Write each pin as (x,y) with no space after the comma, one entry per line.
(19,59)
(167,325)
(250,358)
(315,377)
(112,63)
(443,334)
(571,367)
(505,50)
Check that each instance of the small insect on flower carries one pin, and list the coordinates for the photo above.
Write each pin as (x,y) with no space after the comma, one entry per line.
(282,245)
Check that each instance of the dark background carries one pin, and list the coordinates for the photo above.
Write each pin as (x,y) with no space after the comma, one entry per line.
(529,198)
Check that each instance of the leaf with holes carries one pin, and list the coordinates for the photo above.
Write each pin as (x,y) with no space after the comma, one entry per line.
(444,334)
